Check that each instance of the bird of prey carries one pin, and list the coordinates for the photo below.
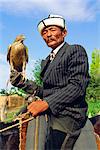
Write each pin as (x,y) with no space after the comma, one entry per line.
(18,55)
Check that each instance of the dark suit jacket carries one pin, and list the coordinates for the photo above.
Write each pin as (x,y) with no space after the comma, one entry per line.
(64,86)
(65,80)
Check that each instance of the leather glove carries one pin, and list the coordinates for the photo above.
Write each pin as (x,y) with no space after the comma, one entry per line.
(16,78)
(36,107)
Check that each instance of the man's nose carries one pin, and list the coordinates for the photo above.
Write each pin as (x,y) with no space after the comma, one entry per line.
(49,33)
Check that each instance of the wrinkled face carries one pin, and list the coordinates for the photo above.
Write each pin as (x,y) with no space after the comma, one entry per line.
(53,36)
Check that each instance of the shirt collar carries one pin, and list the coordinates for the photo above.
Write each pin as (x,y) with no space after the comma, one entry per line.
(57,49)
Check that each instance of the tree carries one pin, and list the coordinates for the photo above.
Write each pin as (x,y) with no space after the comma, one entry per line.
(36,73)
(12,91)
(2,92)
(95,65)
(93,90)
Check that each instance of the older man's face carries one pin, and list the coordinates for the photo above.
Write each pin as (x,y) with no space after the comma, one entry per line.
(53,36)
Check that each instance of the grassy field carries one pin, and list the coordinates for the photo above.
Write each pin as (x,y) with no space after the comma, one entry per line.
(93,108)
(11,114)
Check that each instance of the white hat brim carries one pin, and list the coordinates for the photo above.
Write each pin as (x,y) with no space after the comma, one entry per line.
(51,21)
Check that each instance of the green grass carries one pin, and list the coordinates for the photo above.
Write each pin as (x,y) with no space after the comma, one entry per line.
(11,115)
(93,108)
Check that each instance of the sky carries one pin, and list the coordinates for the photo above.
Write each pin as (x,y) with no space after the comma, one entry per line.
(22,16)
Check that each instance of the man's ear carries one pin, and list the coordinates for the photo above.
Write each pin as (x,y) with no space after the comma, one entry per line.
(64,32)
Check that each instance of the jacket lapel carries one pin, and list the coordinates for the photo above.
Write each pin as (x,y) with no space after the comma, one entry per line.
(44,65)
(55,61)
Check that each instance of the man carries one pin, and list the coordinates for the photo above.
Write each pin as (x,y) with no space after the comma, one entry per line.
(65,79)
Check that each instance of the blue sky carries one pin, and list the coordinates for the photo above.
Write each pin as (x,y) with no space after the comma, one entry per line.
(21,17)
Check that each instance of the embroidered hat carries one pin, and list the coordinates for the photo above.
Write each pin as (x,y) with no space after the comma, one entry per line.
(51,20)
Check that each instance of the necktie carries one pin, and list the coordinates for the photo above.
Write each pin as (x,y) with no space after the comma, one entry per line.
(52,56)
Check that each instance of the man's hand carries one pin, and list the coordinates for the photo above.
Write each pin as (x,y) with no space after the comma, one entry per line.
(37,107)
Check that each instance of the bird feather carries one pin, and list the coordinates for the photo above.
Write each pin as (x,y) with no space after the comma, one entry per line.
(18,54)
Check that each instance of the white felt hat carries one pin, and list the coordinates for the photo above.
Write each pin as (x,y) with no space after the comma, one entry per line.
(51,20)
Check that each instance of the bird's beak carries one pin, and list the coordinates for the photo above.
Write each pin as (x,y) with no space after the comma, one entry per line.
(24,37)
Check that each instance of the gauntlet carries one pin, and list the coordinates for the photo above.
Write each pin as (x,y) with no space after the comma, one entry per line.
(17,80)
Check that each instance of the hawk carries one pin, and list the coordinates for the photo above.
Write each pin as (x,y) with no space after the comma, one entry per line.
(18,55)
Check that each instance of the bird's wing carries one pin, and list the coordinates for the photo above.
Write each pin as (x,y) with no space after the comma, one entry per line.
(8,54)
(26,53)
